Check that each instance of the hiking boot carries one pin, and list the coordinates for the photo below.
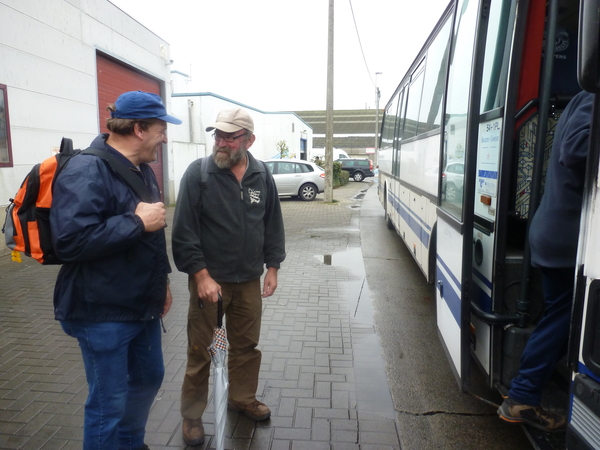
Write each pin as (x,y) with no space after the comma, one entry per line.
(256,410)
(514,412)
(193,431)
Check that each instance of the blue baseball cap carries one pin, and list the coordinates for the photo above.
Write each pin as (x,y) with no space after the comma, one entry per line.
(142,105)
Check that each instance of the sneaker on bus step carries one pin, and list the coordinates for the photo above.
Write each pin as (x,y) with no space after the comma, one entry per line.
(514,412)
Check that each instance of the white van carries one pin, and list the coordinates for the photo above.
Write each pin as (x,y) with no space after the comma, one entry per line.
(320,152)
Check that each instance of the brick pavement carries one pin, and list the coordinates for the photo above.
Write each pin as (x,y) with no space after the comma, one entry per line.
(320,374)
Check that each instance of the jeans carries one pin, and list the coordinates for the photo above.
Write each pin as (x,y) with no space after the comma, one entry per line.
(124,369)
(549,340)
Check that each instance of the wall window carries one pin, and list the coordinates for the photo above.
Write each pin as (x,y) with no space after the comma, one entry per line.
(5,145)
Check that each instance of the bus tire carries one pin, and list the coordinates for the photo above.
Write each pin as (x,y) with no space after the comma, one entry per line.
(388,222)
(432,257)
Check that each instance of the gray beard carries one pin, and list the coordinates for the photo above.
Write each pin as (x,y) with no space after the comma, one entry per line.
(227,160)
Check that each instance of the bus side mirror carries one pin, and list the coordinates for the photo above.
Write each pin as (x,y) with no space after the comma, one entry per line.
(588,61)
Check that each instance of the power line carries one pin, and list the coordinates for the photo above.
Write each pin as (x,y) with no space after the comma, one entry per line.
(360,43)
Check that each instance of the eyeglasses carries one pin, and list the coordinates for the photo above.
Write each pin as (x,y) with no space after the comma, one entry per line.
(227,139)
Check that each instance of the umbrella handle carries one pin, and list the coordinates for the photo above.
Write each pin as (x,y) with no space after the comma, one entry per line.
(220,311)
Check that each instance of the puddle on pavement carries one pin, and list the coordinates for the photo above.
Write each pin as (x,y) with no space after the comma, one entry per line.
(360,195)
(372,390)
(356,287)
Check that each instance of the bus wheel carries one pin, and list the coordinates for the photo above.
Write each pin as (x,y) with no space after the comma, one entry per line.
(388,222)
(388,219)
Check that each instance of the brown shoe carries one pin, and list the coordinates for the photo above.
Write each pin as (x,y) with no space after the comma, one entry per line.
(193,431)
(256,410)
(513,412)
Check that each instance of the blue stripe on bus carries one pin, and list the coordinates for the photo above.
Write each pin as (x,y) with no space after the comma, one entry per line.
(415,223)
(448,294)
(482,277)
(395,200)
(447,269)
(482,298)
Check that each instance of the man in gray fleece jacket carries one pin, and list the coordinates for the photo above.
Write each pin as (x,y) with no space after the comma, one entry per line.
(228,226)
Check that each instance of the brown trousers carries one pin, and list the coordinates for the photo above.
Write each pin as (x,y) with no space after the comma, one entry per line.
(242,304)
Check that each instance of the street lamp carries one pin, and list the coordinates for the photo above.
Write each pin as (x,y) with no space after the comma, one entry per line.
(377,95)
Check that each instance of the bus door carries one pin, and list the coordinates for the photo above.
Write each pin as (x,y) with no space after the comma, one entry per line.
(471,158)
(493,135)
(454,208)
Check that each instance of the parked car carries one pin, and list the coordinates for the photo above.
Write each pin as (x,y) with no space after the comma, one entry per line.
(297,178)
(358,168)
(453,178)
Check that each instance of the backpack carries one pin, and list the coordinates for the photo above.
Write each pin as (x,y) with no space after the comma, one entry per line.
(27,225)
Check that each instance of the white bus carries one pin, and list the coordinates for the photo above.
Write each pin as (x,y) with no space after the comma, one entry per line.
(463,147)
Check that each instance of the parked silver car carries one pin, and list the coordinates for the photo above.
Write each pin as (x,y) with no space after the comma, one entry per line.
(297,178)
(452,181)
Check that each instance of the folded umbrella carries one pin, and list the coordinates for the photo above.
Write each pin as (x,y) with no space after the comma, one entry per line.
(218,353)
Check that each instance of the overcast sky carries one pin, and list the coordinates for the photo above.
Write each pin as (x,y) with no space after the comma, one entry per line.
(272,54)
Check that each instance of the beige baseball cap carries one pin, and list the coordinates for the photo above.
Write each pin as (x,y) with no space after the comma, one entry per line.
(232,120)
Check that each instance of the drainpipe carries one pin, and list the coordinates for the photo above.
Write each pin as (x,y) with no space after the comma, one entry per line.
(190,118)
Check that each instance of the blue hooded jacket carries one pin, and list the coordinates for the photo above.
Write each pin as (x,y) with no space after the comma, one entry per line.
(113,270)
(555,227)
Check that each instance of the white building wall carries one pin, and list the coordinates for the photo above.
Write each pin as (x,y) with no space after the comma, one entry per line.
(48,63)
(201,109)
(288,127)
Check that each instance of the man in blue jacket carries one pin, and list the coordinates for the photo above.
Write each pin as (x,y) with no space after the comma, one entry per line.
(228,226)
(553,240)
(112,290)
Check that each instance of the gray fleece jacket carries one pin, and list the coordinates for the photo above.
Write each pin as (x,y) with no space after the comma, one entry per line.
(232,229)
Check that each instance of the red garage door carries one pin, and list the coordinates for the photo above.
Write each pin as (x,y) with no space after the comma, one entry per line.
(114,78)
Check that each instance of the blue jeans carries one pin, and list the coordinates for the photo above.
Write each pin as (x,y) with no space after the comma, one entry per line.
(124,369)
(549,340)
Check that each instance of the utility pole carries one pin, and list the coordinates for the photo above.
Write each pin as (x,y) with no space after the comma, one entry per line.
(329,116)
(377,95)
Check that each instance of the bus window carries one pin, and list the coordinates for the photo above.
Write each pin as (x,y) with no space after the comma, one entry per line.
(413,104)
(430,116)
(387,136)
(399,131)
(497,52)
(389,125)
(458,101)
